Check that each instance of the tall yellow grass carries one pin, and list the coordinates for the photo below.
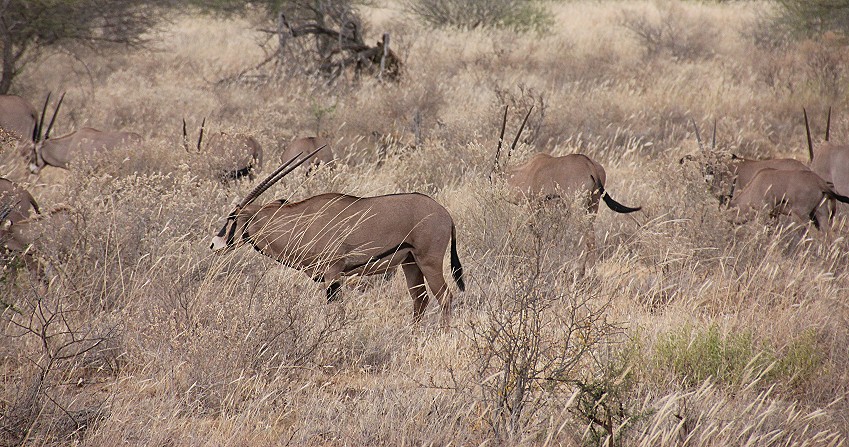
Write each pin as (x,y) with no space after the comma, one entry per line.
(152,340)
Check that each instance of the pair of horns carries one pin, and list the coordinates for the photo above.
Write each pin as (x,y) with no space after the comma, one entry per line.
(37,131)
(515,140)
(699,137)
(275,176)
(186,135)
(808,131)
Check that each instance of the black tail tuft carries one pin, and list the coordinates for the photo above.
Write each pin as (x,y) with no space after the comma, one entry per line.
(616,206)
(612,204)
(456,267)
(840,198)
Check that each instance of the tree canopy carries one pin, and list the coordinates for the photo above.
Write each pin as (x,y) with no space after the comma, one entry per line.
(27,27)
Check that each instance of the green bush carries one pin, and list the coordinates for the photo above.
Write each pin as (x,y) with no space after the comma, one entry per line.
(697,354)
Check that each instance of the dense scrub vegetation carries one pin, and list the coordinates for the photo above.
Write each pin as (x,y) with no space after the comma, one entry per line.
(689,330)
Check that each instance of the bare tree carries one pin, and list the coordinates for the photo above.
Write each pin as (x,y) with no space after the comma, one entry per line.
(27,28)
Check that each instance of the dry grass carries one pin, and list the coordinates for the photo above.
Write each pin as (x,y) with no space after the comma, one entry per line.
(688,331)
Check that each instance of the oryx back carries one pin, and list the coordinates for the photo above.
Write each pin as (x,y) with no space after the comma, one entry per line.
(59,152)
(306,145)
(18,117)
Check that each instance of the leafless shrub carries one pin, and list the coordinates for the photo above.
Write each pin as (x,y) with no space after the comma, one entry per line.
(515,14)
(671,31)
(535,333)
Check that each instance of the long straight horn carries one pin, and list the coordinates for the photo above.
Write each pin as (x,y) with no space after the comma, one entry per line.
(828,124)
(278,174)
(698,137)
(53,118)
(500,138)
(808,133)
(36,133)
(713,139)
(185,136)
(200,137)
(519,133)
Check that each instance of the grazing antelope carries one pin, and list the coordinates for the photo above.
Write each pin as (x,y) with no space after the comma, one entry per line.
(329,236)
(547,178)
(18,118)
(59,152)
(306,145)
(234,155)
(831,160)
(21,240)
(800,193)
(736,173)
(21,205)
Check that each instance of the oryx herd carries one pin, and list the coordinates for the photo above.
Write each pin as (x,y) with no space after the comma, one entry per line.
(330,236)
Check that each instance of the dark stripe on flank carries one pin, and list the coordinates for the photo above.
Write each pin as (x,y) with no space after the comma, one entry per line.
(387,253)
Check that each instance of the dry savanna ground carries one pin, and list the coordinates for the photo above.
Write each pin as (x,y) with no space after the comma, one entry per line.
(688,330)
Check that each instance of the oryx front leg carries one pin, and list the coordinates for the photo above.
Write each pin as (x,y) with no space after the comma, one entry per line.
(333,275)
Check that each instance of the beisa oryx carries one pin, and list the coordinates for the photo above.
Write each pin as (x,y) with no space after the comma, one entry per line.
(830,160)
(801,193)
(231,155)
(305,145)
(330,236)
(726,176)
(17,201)
(18,118)
(23,241)
(61,151)
(546,178)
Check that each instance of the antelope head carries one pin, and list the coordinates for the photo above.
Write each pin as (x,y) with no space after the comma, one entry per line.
(239,216)
(32,151)
(496,168)
(186,135)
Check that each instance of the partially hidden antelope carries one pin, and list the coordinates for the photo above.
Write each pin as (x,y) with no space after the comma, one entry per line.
(545,177)
(801,193)
(24,240)
(830,160)
(60,152)
(726,177)
(18,201)
(18,118)
(305,145)
(233,155)
(330,236)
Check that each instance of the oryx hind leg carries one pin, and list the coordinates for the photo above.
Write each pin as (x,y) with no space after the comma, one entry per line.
(416,286)
(432,269)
